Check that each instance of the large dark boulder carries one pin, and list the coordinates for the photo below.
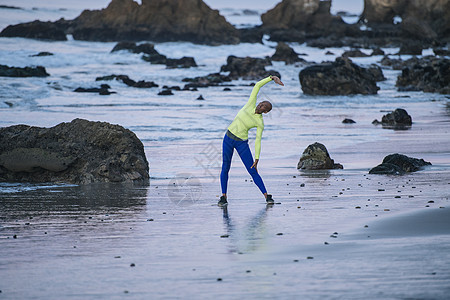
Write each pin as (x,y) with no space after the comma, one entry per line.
(429,74)
(78,152)
(38,71)
(398,119)
(316,157)
(35,30)
(248,68)
(156,20)
(341,77)
(398,164)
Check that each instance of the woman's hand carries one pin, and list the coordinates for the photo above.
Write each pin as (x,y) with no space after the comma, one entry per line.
(255,165)
(276,80)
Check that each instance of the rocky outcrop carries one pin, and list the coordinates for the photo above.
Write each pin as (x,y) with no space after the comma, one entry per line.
(399,164)
(156,20)
(213,79)
(429,74)
(146,48)
(79,152)
(292,20)
(398,119)
(128,81)
(36,30)
(102,90)
(316,157)
(154,57)
(341,77)
(38,71)
(248,68)
(423,19)
(285,53)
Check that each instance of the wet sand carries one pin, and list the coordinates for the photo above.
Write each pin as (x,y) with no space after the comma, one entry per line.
(338,234)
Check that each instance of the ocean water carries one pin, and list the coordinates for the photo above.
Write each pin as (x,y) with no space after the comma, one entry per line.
(168,240)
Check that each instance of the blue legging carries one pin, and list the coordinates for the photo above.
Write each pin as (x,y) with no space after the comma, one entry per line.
(246,156)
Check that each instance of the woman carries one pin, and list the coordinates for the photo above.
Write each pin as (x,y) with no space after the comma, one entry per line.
(248,117)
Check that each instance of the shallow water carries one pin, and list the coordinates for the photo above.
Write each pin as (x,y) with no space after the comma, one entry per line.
(81,241)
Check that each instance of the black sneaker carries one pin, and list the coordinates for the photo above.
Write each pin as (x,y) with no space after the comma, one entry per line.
(222,201)
(269,200)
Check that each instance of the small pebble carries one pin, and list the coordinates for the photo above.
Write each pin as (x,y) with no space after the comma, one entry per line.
(302,185)
(279,233)
(295,260)
(150,220)
(386,209)
(381,190)
(132,265)
(310,257)
(248,271)
(397,196)
(224,236)
(326,243)
(219,279)
(365,226)
(431,201)
(358,207)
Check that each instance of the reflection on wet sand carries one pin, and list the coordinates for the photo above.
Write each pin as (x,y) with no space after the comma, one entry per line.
(252,237)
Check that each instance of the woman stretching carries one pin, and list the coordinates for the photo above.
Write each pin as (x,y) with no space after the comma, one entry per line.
(248,117)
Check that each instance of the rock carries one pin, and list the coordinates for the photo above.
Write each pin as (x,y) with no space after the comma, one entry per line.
(42,54)
(35,30)
(348,121)
(251,35)
(38,71)
(200,97)
(377,51)
(184,62)
(429,74)
(316,157)
(398,164)
(79,152)
(285,53)
(130,82)
(423,19)
(165,92)
(153,56)
(354,53)
(341,77)
(441,52)
(145,48)
(248,68)
(411,48)
(103,90)
(293,20)
(212,79)
(398,119)
(155,20)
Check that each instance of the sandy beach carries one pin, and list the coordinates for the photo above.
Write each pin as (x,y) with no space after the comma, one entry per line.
(333,234)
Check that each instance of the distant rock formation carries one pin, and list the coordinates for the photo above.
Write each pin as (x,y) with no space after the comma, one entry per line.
(79,152)
(36,30)
(155,20)
(294,20)
(398,119)
(38,71)
(399,164)
(316,157)
(341,77)
(423,19)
